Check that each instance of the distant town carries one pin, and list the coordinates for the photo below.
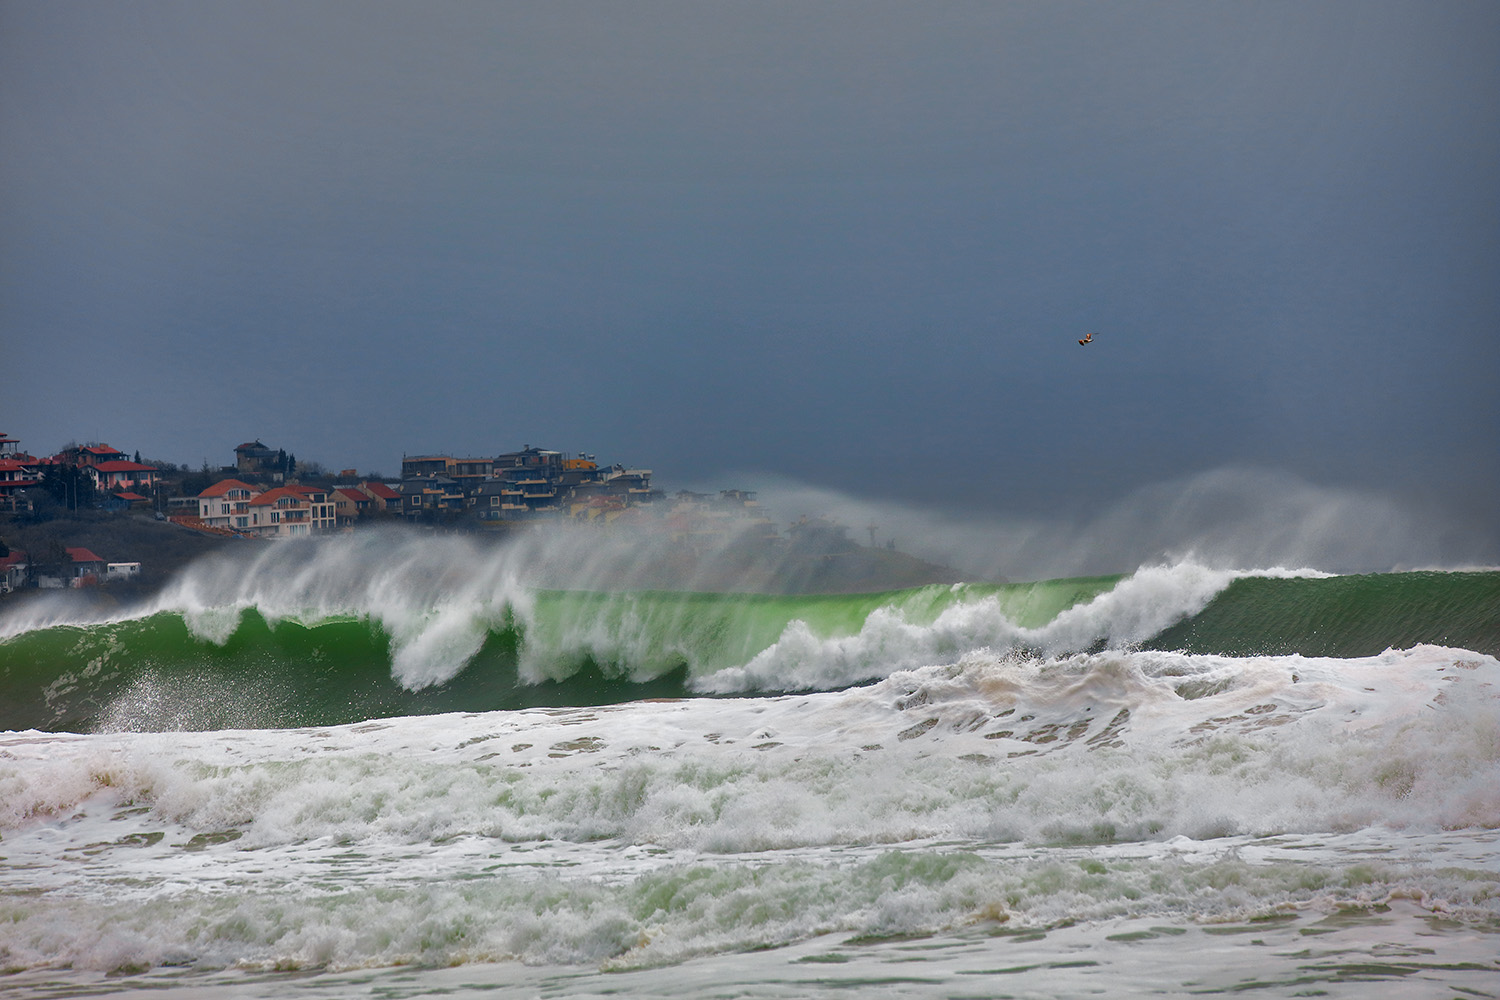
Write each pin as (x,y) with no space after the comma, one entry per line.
(266,495)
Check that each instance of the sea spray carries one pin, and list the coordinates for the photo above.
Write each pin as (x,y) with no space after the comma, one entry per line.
(326,635)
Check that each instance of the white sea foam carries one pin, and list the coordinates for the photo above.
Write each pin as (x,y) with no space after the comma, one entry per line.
(1137,608)
(1264,743)
(1084,787)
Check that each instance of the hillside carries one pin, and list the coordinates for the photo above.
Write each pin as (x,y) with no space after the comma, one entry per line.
(160,547)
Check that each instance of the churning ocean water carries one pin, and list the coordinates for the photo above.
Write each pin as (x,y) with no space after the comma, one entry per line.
(394,767)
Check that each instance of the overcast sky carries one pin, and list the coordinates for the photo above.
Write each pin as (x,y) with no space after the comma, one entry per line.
(850,244)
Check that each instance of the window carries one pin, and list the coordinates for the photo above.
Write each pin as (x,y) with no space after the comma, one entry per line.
(275,516)
(223,508)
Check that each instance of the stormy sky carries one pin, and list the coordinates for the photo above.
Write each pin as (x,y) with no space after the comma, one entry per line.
(848,244)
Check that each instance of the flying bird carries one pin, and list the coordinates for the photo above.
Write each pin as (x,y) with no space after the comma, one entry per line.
(1087,340)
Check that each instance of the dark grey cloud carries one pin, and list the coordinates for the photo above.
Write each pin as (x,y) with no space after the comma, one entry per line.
(851,243)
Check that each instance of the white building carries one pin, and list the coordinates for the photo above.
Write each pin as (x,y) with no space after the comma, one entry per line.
(292,512)
(226,505)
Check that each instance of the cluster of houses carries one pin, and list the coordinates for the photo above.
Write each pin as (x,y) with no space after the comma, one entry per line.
(522,485)
(79,568)
(109,471)
(234,507)
(525,485)
(262,497)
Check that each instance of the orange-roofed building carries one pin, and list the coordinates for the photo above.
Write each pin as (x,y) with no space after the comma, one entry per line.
(119,474)
(383,495)
(226,504)
(292,512)
(86,568)
(94,454)
(349,502)
(16,475)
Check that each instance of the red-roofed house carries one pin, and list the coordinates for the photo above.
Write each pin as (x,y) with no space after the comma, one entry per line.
(95,454)
(13,571)
(87,568)
(292,512)
(382,494)
(133,500)
(226,504)
(16,475)
(349,502)
(118,474)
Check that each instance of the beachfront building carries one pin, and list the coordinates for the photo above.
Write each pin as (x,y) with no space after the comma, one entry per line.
(385,498)
(430,494)
(226,504)
(292,512)
(349,502)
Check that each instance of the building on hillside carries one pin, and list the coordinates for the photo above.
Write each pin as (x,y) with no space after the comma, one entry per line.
(532,482)
(431,493)
(226,504)
(385,498)
(349,502)
(499,500)
(122,572)
(254,459)
(120,474)
(92,455)
(86,568)
(13,568)
(125,500)
(16,475)
(634,485)
(383,494)
(529,463)
(291,512)
(81,569)
(460,469)
(535,477)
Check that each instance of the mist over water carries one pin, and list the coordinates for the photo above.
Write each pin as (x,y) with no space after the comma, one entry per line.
(1227,518)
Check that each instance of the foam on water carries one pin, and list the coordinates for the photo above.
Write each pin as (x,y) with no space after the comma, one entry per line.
(1135,609)
(1022,791)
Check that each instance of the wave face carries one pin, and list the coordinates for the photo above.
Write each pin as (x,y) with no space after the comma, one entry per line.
(339,633)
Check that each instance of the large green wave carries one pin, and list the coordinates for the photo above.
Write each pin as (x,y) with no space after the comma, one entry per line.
(571,648)
(1344,615)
